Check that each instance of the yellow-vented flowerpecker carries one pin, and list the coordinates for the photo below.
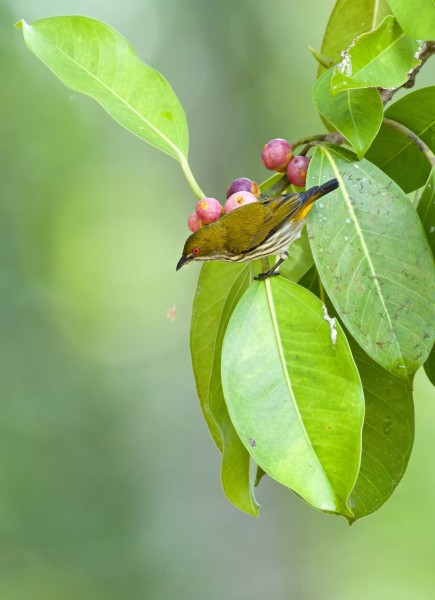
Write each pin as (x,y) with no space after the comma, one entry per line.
(255,230)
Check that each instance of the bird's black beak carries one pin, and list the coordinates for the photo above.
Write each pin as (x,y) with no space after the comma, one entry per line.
(183,260)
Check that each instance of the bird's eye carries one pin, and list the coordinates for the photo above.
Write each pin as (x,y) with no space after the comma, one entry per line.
(196,250)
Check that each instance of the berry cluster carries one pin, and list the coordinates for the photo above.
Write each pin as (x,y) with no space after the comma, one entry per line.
(277,155)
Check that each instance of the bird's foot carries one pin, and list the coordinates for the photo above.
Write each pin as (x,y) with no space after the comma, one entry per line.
(262,276)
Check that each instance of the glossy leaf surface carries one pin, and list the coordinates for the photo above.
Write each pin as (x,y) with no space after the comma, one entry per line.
(91,57)
(388,430)
(300,259)
(388,434)
(416,17)
(393,152)
(426,210)
(380,58)
(374,261)
(219,288)
(357,114)
(348,20)
(294,396)
(429,366)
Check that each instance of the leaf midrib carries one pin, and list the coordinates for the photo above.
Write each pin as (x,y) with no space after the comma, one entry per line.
(110,90)
(281,353)
(364,249)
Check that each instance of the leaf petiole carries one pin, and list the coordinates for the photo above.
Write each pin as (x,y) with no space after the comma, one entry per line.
(190,178)
(417,141)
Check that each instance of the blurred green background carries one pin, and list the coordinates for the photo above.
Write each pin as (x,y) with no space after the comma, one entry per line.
(109,481)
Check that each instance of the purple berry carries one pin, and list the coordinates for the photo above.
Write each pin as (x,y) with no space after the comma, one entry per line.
(208,210)
(243,185)
(276,155)
(193,222)
(297,170)
(237,200)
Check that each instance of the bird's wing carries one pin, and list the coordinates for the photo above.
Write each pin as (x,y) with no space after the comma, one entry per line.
(284,207)
(259,219)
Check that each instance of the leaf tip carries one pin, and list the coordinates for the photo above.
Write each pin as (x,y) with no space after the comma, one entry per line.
(20,24)
(323,60)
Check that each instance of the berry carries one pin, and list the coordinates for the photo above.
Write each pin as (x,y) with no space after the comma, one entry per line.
(208,210)
(276,155)
(193,222)
(237,200)
(243,185)
(297,170)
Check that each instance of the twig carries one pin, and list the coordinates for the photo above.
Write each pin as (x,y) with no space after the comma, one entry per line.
(427,49)
(424,148)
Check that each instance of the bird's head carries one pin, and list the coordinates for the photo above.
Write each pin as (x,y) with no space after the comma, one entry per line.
(204,244)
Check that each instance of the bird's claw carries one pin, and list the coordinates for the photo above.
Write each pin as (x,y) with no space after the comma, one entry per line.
(262,276)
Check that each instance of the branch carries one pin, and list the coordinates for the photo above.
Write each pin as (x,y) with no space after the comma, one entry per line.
(335,137)
(427,49)
(424,148)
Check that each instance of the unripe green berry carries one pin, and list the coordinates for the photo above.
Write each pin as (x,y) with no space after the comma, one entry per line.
(208,210)
(194,222)
(243,185)
(276,155)
(237,200)
(297,170)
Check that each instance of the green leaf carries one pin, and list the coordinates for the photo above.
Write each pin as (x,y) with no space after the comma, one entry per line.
(294,395)
(393,152)
(374,261)
(416,17)
(91,57)
(220,286)
(429,366)
(381,58)
(348,20)
(357,114)
(388,434)
(323,60)
(426,209)
(300,259)
(388,430)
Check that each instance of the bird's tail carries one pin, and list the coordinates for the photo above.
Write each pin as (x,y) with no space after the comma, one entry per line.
(318,191)
(310,196)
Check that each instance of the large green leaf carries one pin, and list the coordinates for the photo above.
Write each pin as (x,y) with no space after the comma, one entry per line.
(219,288)
(429,366)
(348,20)
(357,114)
(388,434)
(416,17)
(388,430)
(91,57)
(293,392)
(374,260)
(426,210)
(380,58)
(300,259)
(394,152)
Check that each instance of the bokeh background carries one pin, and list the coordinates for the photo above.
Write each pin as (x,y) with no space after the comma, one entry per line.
(109,482)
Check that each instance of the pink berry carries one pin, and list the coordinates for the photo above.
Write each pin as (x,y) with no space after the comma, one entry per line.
(193,222)
(276,155)
(208,210)
(243,185)
(297,170)
(237,200)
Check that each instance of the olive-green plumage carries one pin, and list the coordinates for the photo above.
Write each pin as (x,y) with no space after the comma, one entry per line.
(254,230)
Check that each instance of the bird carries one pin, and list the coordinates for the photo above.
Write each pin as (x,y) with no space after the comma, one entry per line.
(255,230)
